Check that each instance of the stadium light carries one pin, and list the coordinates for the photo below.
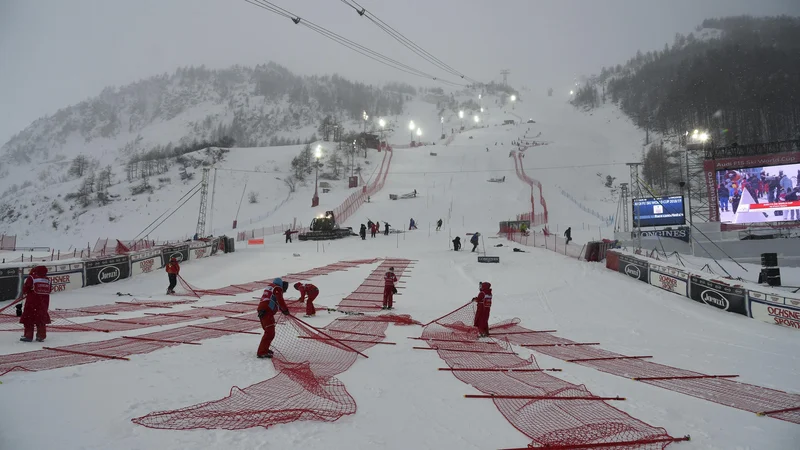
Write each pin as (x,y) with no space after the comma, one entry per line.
(382,123)
(315,198)
(419,131)
(571,92)
(411,126)
(461,114)
(513,98)
(477,119)
(481,109)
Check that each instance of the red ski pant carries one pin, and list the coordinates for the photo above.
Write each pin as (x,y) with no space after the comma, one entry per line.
(482,319)
(268,324)
(41,331)
(388,296)
(310,310)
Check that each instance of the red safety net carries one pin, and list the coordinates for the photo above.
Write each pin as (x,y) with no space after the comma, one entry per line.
(122,347)
(305,388)
(553,413)
(61,317)
(535,218)
(368,297)
(748,397)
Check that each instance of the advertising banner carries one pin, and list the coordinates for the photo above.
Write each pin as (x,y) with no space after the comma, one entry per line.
(9,283)
(514,225)
(773,298)
(669,279)
(146,262)
(633,267)
(107,270)
(179,252)
(682,233)
(199,252)
(63,277)
(718,295)
(780,315)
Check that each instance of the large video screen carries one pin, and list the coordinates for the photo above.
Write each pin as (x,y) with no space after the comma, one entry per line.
(758,194)
(658,212)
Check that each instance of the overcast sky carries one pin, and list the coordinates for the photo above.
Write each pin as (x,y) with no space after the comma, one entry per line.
(54,53)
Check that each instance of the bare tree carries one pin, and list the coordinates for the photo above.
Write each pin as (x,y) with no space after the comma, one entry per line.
(290,182)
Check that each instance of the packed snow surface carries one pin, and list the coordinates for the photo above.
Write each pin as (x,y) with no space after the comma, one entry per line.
(403,401)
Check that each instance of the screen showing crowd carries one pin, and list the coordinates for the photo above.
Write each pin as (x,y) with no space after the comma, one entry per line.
(758,194)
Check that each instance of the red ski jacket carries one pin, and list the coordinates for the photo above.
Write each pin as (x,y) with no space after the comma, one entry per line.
(173,267)
(272,300)
(389,279)
(36,290)
(305,289)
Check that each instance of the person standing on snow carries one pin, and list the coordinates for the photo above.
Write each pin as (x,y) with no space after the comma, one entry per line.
(438,224)
(386,228)
(288,234)
(271,302)
(374,229)
(412,225)
(312,292)
(484,301)
(173,269)
(36,289)
(474,241)
(389,279)
(457,243)
(568,234)
(363,232)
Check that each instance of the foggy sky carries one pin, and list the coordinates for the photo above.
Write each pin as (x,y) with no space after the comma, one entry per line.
(54,53)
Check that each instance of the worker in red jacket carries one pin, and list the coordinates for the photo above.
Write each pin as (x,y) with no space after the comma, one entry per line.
(173,269)
(482,310)
(271,302)
(389,289)
(36,290)
(312,292)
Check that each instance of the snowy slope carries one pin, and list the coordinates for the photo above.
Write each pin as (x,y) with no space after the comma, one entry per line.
(261,170)
(403,401)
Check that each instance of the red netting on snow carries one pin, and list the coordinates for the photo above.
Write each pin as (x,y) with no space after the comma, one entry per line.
(123,347)
(307,361)
(368,297)
(54,358)
(724,391)
(60,317)
(188,289)
(533,406)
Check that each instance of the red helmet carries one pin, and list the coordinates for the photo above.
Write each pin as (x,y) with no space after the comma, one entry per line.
(485,285)
(298,285)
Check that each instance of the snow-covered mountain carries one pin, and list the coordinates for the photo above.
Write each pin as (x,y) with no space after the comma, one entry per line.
(254,106)
(150,129)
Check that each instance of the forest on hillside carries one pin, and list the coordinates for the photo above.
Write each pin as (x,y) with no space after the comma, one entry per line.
(742,84)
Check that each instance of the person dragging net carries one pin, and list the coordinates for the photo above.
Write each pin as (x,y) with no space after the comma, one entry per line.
(271,302)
